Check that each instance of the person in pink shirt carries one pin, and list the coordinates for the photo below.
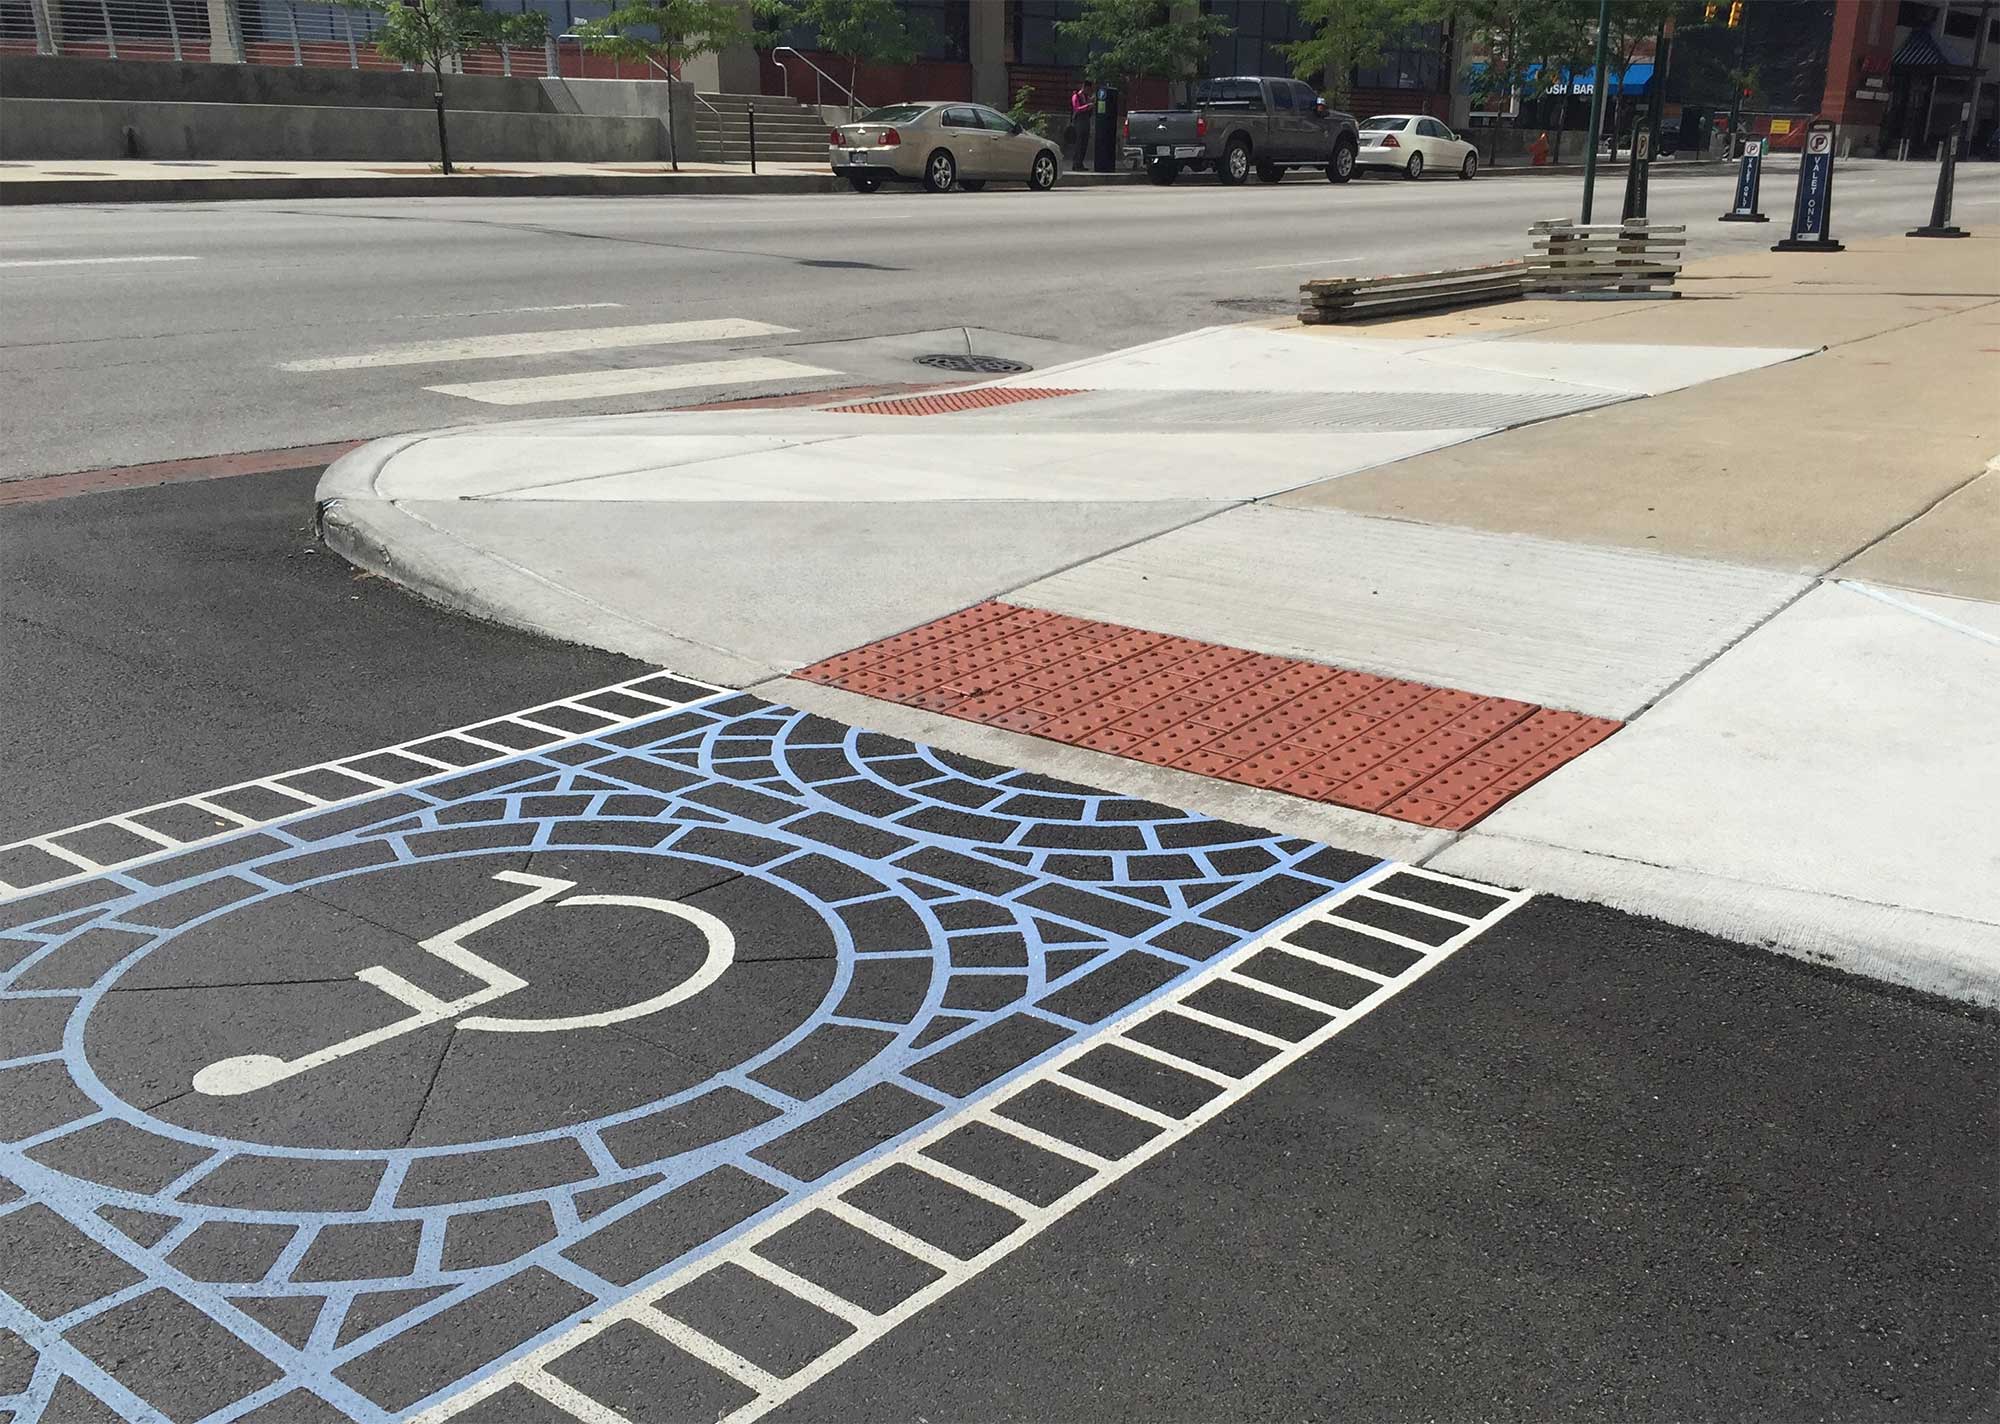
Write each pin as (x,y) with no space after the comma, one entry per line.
(1081,105)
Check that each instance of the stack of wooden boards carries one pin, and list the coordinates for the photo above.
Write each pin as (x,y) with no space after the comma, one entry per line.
(1636,258)
(1630,259)
(1335,299)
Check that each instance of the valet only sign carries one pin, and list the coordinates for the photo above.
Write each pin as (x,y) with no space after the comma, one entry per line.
(1812,209)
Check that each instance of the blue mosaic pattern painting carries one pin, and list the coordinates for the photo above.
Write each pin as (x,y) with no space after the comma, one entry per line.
(260,1107)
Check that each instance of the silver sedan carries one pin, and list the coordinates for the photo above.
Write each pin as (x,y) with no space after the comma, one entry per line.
(944,145)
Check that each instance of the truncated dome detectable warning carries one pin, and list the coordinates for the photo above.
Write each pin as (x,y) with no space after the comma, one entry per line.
(626,1044)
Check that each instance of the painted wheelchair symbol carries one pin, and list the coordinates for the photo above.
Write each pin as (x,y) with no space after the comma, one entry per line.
(232,1077)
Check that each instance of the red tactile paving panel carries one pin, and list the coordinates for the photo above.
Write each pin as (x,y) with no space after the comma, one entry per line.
(952,401)
(1432,755)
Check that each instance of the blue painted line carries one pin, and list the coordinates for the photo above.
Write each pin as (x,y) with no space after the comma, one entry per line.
(797,804)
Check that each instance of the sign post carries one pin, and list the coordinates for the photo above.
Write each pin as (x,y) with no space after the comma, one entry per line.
(1812,210)
(1940,224)
(1749,182)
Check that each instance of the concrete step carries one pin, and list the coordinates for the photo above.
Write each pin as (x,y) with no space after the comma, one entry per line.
(793,122)
(763,103)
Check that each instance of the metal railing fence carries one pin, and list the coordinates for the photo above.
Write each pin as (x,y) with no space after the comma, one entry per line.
(273,32)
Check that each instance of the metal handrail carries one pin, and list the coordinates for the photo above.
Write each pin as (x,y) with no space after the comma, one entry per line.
(819,93)
(673,79)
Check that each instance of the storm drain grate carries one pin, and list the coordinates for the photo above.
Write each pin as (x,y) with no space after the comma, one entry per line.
(952,401)
(978,365)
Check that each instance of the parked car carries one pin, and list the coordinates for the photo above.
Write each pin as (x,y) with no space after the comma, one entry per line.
(942,145)
(1243,125)
(1415,144)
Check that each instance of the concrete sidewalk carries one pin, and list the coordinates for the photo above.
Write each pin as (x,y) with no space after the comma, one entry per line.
(1755,526)
(25,182)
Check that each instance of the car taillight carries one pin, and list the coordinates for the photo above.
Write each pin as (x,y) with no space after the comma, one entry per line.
(1389,141)
(835,139)
(1201,125)
(890,138)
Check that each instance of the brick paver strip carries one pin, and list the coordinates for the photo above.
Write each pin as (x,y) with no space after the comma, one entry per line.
(1435,756)
(952,401)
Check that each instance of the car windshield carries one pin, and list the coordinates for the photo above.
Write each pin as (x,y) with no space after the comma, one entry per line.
(1384,123)
(894,114)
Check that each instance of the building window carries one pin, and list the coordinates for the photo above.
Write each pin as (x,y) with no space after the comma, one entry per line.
(1915,16)
(943,28)
(1036,40)
(1259,28)
(1416,61)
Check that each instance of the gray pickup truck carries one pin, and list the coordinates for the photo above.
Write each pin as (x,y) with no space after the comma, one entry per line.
(1242,126)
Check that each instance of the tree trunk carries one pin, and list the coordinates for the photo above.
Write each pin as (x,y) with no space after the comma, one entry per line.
(673,152)
(437,98)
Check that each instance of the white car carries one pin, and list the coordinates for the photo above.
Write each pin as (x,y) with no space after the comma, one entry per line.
(1415,144)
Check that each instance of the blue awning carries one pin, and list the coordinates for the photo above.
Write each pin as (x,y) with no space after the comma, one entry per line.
(1582,82)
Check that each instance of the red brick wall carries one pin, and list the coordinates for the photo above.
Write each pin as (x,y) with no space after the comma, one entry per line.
(875,85)
(1851,55)
(1363,102)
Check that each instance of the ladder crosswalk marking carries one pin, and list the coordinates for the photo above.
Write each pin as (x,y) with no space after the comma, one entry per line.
(596,385)
(830,1197)
(541,343)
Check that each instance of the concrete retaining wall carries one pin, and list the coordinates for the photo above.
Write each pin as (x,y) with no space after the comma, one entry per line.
(629,99)
(77,128)
(60,77)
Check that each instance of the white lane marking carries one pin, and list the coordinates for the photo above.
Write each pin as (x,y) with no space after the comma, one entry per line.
(510,311)
(597,385)
(88,261)
(1310,262)
(540,343)
(889,1235)
(1327,961)
(208,801)
(869,1328)
(966,1182)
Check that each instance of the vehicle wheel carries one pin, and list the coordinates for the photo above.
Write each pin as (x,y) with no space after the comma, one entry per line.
(973,185)
(1341,167)
(1162,171)
(1470,167)
(940,171)
(1044,176)
(1270,173)
(863,182)
(1415,168)
(1235,165)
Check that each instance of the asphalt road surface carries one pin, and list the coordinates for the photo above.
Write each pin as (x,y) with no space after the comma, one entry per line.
(1580,1166)
(180,347)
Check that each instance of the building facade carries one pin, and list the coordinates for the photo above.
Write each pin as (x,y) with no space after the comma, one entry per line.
(991,50)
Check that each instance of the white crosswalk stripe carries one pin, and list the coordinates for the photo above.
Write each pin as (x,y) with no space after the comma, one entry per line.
(704,368)
(541,343)
(635,380)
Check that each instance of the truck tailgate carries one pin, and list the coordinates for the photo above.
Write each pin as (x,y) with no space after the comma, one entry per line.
(1156,130)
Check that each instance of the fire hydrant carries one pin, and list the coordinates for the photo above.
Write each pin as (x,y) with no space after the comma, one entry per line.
(1538,151)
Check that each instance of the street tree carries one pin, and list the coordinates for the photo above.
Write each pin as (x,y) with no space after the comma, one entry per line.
(1141,39)
(858,31)
(1350,33)
(435,35)
(666,33)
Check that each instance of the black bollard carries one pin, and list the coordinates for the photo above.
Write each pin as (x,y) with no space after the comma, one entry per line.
(750,110)
(1637,173)
(1749,183)
(1812,209)
(1940,223)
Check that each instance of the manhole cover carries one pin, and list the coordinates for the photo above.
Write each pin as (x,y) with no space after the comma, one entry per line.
(984,365)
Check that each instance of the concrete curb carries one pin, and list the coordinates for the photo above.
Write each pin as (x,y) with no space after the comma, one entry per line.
(400,545)
(1932,953)
(573,185)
